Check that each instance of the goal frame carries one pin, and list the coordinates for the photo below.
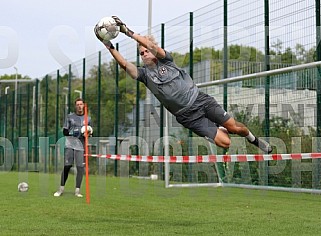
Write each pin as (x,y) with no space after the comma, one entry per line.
(220,183)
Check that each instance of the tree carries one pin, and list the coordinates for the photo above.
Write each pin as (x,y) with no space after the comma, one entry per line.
(300,53)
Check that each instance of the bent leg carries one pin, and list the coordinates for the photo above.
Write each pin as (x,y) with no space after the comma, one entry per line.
(240,129)
(236,127)
(222,139)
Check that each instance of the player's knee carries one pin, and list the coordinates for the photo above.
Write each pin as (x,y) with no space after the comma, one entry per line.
(80,169)
(223,141)
(67,167)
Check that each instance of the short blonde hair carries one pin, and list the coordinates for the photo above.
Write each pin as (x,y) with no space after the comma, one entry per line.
(150,38)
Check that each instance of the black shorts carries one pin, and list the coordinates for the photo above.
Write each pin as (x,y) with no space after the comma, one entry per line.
(73,155)
(204,116)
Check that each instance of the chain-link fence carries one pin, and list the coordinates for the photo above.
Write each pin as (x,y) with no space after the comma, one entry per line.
(224,39)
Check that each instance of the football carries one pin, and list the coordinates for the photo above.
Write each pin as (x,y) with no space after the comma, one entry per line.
(23,187)
(89,129)
(107,29)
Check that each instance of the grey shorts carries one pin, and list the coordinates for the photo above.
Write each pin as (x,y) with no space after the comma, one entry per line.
(72,155)
(204,116)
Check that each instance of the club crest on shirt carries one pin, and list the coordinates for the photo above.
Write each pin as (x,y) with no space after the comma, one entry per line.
(162,71)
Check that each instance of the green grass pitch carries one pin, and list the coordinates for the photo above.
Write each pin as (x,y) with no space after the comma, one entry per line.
(128,206)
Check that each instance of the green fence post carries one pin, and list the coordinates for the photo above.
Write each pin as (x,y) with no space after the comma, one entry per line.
(225,54)
(36,112)
(267,68)
(84,79)
(20,111)
(46,105)
(137,110)
(28,110)
(161,132)
(318,52)
(191,72)
(116,111)
(99,94)
(316,178)
(12,118)
(57,106)
(191,58)
(6,116)
(1,113)
(69,88)
(27,123)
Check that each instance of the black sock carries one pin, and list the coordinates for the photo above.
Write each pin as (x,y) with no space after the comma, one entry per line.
(255,141)
(64,175)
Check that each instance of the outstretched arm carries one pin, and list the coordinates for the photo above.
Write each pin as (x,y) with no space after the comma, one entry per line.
(130,68)
(145,42)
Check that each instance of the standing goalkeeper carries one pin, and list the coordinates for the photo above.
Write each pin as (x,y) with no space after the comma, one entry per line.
(175,89)
(74,147)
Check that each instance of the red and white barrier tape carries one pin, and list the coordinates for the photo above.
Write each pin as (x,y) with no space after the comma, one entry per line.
(210,158)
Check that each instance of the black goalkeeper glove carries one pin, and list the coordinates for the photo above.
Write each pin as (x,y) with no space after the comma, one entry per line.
(123,28)
(107,43)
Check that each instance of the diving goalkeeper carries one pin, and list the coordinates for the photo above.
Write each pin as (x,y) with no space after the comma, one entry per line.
(175,89)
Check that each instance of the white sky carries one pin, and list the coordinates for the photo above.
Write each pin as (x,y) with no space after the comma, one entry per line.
(39,37)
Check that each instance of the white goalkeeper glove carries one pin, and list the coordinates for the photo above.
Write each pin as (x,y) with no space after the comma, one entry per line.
(123,28)
(89,130)
(107,43)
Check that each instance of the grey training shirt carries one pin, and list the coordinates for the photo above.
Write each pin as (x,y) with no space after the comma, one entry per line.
(171,85)
(73,124)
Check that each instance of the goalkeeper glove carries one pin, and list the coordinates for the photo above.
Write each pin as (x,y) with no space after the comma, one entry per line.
(123,28)
(107,43)
(74,132)
(89,130)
